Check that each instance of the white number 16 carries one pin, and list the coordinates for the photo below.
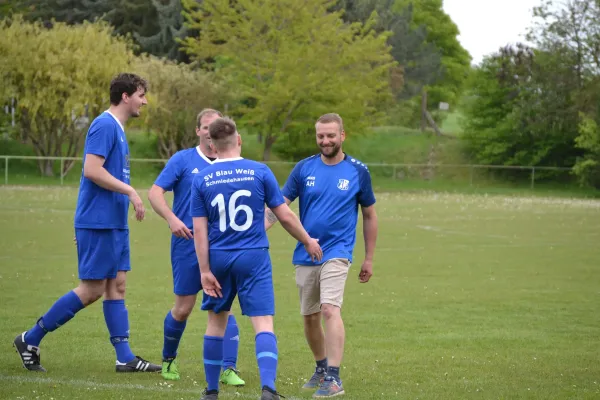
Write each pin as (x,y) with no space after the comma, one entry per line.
(219,201)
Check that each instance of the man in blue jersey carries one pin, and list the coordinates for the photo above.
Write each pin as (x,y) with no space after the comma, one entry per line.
(227,207)
(177,176)
(101,231)
(330,187)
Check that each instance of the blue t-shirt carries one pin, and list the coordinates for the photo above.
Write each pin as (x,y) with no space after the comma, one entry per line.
(329,198)
(178,176)
(98,208)
(232,194)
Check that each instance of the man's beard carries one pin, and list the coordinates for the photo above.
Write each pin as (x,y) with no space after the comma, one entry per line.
(334,151)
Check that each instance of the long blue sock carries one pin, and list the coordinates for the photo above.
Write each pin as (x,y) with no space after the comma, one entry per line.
(117,321)
(59,314)
(266,356)
(213,358)
(231,342)
(173,330)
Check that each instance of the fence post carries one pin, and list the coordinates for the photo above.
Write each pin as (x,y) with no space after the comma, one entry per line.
(394,172)
(6,171)
(532,177)
(62,164)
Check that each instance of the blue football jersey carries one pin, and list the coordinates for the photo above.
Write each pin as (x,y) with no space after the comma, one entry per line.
(232,194)
(178,175)
(329,198)
(98,208)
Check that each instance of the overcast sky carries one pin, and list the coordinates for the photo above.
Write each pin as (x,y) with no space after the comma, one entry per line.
(486,25)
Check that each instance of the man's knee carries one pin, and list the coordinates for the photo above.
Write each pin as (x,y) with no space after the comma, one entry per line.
(184,305)
(330,311)
(312,319)
(89,291)
(115,288)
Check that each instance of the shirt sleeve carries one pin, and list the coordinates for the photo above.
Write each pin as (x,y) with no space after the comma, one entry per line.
(197,208)
(366,197)
(170,174)
(273,196)
(291,189)
(101,138)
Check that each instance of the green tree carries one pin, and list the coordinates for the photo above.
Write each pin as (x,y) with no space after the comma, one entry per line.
(177,95)
(587,167)
(170,28)
(59,78)
(442,33)
(127,17)
(291,61)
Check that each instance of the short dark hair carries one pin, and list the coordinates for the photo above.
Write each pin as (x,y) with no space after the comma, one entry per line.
(204,112)
(222,128)
(125,83)
(331,117)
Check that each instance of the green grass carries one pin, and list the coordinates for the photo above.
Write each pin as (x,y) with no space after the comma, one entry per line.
(473,297)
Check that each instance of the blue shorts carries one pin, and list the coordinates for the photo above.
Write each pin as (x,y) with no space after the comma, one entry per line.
(246,273)
(102,252)
(186,272)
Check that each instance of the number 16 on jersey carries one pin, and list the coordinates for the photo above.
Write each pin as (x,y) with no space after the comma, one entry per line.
(233,210)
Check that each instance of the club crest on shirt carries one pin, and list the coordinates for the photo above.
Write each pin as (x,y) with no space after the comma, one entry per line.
(343,184)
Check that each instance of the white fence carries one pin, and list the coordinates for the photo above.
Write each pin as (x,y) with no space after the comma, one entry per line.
(397,172)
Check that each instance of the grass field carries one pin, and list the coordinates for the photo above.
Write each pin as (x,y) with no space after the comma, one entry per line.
(473,297)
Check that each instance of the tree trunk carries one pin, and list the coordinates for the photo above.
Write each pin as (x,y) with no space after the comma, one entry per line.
(269,140)
(46,168)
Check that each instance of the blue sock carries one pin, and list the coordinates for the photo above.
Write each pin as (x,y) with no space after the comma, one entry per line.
(59,314)
(172,335)
(266,356)
(334,372)
(231,342)
(117,321)
(213,358)
(322,366)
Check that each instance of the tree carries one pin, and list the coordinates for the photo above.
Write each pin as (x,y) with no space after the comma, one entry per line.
(587,167)
(170,28)
(442,33)
(291,61)
(177,94)
(59,78)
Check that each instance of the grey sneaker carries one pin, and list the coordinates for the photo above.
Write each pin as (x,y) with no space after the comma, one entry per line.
(210,395)
(270,394)
(316,380)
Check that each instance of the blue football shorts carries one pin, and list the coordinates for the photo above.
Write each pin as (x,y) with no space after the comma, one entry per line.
(186,272)
(102,252)
(247,274)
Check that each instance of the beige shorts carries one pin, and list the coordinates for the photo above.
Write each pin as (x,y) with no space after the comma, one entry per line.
(321,284)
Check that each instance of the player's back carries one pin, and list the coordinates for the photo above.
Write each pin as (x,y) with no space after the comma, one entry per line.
(232,194)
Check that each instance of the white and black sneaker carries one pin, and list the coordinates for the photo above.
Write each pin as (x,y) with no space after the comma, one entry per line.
(30,355)
(138,364)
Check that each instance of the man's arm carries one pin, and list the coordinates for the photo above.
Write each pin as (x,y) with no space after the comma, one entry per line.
(210,285)
(291,223)
(201,243)
(93,169)
(156,196)
(270,217)
(370,236)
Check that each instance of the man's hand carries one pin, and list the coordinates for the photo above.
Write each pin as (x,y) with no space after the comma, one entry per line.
(179,229)
(138,205)
(314,250)
(210,285)
(366,271)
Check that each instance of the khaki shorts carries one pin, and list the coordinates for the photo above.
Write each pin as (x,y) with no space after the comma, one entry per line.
(321,284)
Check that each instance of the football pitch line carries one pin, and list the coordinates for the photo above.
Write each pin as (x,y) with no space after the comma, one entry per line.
(123,386)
